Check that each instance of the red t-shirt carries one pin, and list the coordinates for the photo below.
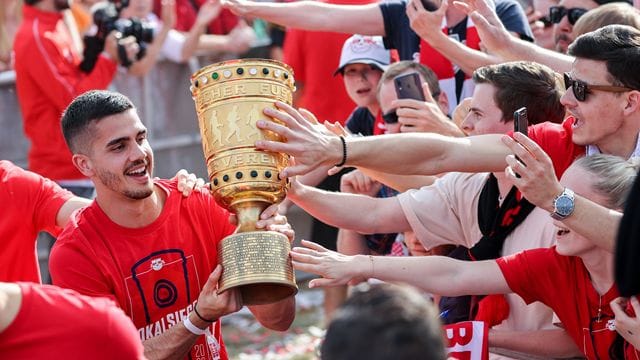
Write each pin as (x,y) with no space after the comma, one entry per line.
(563,284)
(31,204)
(55,323)
(556,141)
(154,273)
(47,80)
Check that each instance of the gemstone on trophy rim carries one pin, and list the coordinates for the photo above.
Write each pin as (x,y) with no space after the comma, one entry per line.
(286,75)
(239,175)
(225,178)
(240,71)
(254,174)
(215,76)
(253,71)
(265,71)
(277,73)
(195,83)
(215,182)
(203,79)
(267,174)
(227,73)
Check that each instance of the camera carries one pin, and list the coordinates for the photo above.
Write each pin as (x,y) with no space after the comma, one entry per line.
(106,18)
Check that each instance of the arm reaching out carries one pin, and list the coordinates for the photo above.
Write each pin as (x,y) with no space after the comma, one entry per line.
(436,274)
(314,15)
(413,153)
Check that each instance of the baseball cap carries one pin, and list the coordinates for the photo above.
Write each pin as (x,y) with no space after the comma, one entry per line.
(360,49)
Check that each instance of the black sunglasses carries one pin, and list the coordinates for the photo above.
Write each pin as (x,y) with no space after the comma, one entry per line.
(556,13)
(581,88)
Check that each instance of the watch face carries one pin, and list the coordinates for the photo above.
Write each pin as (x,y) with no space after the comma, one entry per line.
(564,205)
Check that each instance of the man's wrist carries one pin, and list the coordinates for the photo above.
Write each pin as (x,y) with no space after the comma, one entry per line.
(199,323)
(195,325)
(364,266)
(338,150)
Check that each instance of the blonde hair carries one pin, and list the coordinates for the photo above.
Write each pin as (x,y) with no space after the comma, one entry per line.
(608,14)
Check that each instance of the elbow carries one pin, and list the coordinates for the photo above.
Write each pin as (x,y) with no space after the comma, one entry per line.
(279,323)
(278,316)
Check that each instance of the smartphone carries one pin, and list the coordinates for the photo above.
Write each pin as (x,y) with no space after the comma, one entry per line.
(408,86)
(521,121)
(521,124)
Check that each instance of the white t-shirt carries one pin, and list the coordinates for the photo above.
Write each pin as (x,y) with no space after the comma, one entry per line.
(447,213)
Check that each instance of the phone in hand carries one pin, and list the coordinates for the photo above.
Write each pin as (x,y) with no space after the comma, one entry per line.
(521,124)
(408,86)
(521,121)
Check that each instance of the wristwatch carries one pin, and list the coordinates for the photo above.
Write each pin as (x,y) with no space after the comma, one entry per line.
(563,204)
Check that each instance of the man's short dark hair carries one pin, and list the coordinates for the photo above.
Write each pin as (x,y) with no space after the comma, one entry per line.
(31,2)
(524,83)
(618,46)
(384,321)
(86,109)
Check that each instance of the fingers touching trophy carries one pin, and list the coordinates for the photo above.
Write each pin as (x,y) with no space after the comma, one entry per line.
(230,97)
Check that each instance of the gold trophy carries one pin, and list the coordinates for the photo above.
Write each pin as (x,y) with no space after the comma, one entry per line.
(229,98)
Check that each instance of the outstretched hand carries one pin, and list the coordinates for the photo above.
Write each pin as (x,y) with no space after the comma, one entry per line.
(335,268)
(423,22)
(310,146)
(272,220)
(537,178)
(493,34)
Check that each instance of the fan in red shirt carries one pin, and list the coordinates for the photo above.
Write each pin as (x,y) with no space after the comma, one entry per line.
(69,325)
(574,278)
(143,245)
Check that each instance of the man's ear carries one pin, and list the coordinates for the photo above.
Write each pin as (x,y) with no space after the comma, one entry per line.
(633,102)
(83,163)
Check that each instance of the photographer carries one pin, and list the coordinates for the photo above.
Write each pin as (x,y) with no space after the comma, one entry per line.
(177,46)
(48,78)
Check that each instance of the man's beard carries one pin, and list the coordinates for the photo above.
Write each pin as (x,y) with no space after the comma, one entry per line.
(111,181)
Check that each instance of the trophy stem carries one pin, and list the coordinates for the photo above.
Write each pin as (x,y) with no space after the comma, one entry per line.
(248,214)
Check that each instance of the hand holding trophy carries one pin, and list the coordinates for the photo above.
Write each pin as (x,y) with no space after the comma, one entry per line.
(230,97)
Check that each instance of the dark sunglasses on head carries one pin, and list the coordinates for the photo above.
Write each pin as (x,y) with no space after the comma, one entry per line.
(556,13)
(581,88)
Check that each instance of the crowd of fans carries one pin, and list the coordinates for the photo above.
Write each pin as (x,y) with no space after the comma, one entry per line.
(406,156)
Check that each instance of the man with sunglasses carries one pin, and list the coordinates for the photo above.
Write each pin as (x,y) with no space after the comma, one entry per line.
(601,121)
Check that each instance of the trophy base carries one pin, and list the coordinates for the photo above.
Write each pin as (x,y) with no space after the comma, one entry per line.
(258,264)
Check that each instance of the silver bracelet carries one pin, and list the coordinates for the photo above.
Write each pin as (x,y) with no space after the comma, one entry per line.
(192,328)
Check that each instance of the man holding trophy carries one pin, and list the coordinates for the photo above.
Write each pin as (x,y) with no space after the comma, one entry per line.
(155,252)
